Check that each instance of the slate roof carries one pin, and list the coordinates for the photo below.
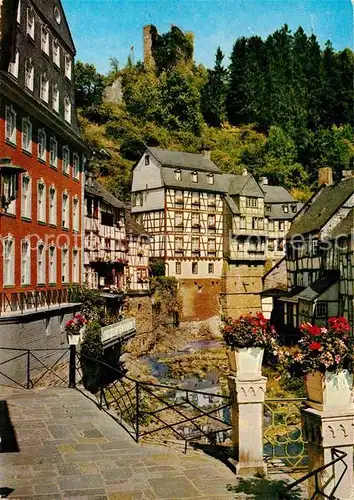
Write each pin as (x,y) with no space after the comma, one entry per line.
(132,227)
(189,161)
(242,184)
(277,211)
(345,227)
(232,205)
(101,192)
(276,194)
(323,207)
(186,182)
(319,286)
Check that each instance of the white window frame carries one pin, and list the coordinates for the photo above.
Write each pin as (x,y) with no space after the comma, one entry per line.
(11,209)
(178,267)
(42,145)
(45,39)
(76,166)
(75,274)
(68,66)
(56,51)
(41,201)
(30,22)
(55,97)
(66,160)
(18,17)
(52,206)
(67,109)
(29,74)
(194,267)
(65,265)
(52,258)
(26,198)
(44,87)
(178,174)
(251,202)
(53,152)
(9,261)
(10,126)
(194,177)
(41,263)
(210,178)
(65,210)
(76,214)
(25,262)
(26,138)
(195,244)
(14,66)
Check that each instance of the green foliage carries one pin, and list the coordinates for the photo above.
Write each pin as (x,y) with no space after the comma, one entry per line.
(156,267)
(172,48)
(89,85)
(92,304)
(92,348)
(166,301)
(213,94)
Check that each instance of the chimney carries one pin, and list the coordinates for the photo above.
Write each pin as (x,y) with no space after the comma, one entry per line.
(244,171)
(263,181)
(149,37)
(206,153)
(347,174)
(325,176)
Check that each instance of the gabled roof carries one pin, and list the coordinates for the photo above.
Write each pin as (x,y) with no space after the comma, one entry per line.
(245,185)
(46,8)
(276,194)
(323,208)
(101,192)
(232,205)
(190,161)
(319,286)
(345,227)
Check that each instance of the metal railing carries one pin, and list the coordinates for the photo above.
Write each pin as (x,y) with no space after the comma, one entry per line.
(144,409)
(319,477)
(28,368)
(284,443)
(33,300)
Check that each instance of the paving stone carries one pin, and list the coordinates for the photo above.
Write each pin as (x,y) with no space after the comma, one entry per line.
(92,433)
(116,475)
(175,487)
(80,482)
(83,494)
(45,489)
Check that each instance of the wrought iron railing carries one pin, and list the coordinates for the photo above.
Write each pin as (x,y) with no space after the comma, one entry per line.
(145,409)
(284,444)
(33,300)
(28,368)
(322,480)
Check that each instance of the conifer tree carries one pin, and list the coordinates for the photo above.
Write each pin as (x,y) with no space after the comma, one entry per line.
(213,94)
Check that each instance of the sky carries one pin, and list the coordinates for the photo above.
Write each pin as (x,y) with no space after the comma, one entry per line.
(105,28)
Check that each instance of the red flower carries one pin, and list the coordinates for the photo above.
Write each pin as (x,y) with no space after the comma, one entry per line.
(315,346)
(315,330)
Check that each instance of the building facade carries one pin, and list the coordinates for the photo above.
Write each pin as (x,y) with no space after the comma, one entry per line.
(41,230)
(210,228)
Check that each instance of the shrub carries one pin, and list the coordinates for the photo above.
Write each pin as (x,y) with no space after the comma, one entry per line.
(92,353)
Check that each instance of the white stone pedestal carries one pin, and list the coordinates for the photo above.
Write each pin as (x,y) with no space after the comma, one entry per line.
(247,424)
(325,430)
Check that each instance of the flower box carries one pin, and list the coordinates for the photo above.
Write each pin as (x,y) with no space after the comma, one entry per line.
(246,362)
(330,390)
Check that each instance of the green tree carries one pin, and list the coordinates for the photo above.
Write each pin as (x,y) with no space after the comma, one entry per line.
(89,85)
(213,94)
(172,48)
(91,355)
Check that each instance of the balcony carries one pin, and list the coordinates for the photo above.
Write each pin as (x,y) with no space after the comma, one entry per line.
(112,334)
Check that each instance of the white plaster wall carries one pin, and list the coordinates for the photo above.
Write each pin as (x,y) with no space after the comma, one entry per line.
(152,200)
(186,269)
(146,176)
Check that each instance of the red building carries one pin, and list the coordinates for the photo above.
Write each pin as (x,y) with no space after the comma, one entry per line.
(41,229)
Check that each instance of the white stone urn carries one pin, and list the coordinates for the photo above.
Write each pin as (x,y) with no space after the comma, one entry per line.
(74,339)
(246,362)
(330,391)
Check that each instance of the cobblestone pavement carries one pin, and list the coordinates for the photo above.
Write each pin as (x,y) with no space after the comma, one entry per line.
(71,449)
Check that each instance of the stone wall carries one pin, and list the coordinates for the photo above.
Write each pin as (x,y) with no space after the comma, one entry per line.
(276,277)
(41,330)
(114,92)
(200,298)
(139,306)
(241,289)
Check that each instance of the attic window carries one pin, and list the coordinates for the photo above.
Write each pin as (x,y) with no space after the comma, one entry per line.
(195,176)
(57,15)
(294,208)
(210,178)
(147,159)
(268,208)
(178,175)
(285,209)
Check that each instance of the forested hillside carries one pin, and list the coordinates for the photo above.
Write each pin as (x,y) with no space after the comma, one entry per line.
(282,108)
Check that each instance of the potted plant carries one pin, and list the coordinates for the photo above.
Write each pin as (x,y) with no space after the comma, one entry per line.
(246,339)
(326,358)
(75,328)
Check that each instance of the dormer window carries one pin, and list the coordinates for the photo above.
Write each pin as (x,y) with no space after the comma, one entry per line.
(294,208)
(178,175)
(285,209)
(195,176)
(13,66)
(30,22)
(57,15)
(67,109)
(210,178)
(55,98)
(268,208)
(56,52)
(147,159)
(45,39)
(29,74)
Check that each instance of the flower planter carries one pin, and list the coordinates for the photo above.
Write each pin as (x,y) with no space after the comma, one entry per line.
(74,339)
(246,363)
(329,390)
